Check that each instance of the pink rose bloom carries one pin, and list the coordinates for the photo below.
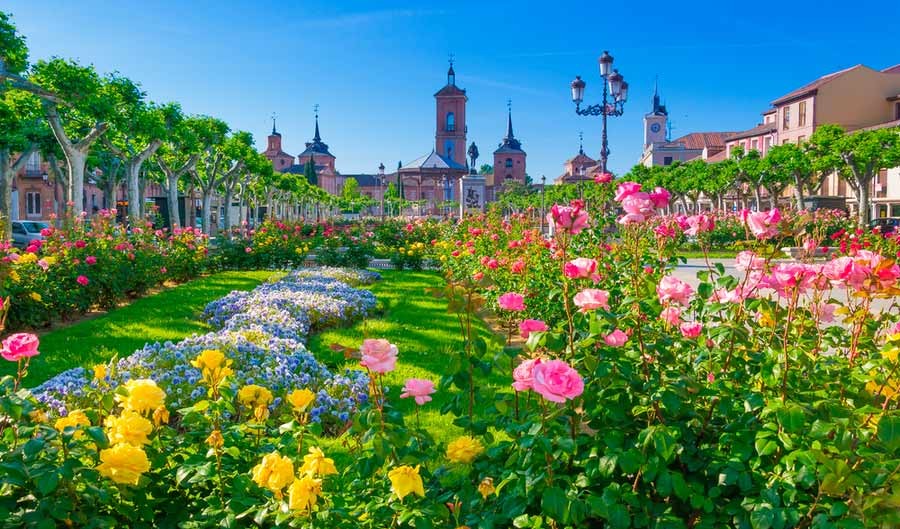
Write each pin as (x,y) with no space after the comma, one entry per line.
(526,327)
(631,218)
(671,315)
(378,355)
(665,231)
(747,260)
(477,276)
(248,249)
(511,301)
(517,267)
(419,388)
(823,312)
(568,219)
(660,197)
(80,244)
(671,288)
(18,346)
(762,224)
(691,329)
(556,381)
(698,224)
(625,189)
(90,260)
(523,378)
(43,264)
(580,268)
(603,178)
(617,338)
(82,280)
(786,277)
(592,299)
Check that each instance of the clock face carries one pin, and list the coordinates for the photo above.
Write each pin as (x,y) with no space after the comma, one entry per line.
(654,127)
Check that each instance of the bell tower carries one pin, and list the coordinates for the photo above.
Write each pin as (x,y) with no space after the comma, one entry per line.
(655,122)
(450,118)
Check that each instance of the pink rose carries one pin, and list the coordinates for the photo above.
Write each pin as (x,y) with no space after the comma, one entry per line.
(626,189)
(517,267)
(90,260)
(511,301)
(592,299)
(568,219)
(19,345)
(671,288)
(631,218)
(698,224)
(80,244)
(823,312)
(556,381)
(603,178)
(529,326)
(419,388)
(248,249)
(616,338)
(671,315)
(691,329)
(580,268)
(378,355)
(82,280)
(523,374)
(478,276)
(43,264)
(747,260)
(660,197)
(762,224)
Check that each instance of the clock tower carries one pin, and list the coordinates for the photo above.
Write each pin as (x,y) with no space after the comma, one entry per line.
(655,122)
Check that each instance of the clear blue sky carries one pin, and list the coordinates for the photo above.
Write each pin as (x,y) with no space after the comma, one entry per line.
(374,66)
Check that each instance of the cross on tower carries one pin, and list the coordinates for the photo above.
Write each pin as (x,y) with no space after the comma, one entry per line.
(273,122)
(509,105)
(450,58)
(580,142)
(316,110)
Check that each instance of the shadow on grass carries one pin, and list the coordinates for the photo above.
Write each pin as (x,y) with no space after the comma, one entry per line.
(172,314)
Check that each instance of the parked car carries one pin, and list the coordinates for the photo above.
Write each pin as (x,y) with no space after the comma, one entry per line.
(885,225)
(25,231)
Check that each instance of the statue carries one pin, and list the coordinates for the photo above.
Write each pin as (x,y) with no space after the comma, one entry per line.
(473,154)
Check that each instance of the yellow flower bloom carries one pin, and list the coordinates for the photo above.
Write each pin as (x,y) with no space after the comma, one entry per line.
(38,416)
(129,427)
(464,449)
(486,487)
(100,372)
(74,419)
(304,493)
(274,473)
(35,296)
(27,258)
(315,463)
(253,396)
(14,276)
(214,366)
(123,463)
(300,399)
(50,260)
(160,416)
(406,480)
(143,396)
(891,354)
(261,413)
(215,439)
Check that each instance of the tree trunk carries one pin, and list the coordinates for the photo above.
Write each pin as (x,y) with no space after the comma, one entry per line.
(172,198)
(206,204)
(758,196)
(76,154)
(75,162)
(798,192)
(63,180)
(8,170)
(229,196)
(862,200)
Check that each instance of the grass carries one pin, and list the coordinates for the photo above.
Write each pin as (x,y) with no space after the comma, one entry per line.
(169,315)
(425,334)
(713,254)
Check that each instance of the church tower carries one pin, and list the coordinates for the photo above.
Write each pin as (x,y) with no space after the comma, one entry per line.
(509,158)
(450,133)
(655,122)
(281,161)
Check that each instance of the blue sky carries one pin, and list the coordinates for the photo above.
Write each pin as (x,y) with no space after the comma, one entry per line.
(374,66)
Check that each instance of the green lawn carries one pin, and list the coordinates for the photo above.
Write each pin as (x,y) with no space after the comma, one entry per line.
(169,315)
(425,334)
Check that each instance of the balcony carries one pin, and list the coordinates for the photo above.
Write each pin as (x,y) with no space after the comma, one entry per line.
(31,172)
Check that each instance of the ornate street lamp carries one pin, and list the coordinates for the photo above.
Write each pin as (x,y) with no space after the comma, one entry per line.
(543,187)
(381,187)
(614,86)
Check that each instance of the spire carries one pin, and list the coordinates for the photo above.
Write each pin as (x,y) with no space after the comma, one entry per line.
(509,143)
(274,132)
(580,142)
(451,75)
(509,129)
(317,138)
(658,109)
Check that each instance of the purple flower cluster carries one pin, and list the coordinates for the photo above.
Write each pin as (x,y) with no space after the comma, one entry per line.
(262,332)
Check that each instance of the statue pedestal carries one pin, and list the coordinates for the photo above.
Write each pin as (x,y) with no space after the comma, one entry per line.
(471,194)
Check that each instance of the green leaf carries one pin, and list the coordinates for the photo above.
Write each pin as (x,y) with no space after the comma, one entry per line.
(889,431)
(792,418)
(554,503)
(47,483)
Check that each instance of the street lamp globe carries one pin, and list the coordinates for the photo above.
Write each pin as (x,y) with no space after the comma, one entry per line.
(624,94)
(578,89)
(605,61)
(615,83)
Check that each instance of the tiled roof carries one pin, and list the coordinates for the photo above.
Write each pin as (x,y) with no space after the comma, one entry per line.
(581,157)
(701,140)
(718,157)
(433,161)
(366,180)
(893,69)
(765,128)
(450,90)
(885,125)
(813,86)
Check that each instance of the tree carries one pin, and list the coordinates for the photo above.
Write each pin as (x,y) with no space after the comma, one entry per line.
(350,195)
(791,162)
(309,171)
(79,123)
(391,195)
(178,156)
(486,168)
(858,157)
(222,159)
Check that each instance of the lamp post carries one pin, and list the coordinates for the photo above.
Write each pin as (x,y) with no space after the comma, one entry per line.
(381,187)
(543,186)
(614,86)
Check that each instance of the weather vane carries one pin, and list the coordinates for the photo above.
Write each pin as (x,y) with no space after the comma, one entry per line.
(509,105)
(316,110)
(451,60)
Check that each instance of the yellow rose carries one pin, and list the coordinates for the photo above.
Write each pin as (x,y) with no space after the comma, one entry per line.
(315,463)
(486,487)
(213,365)
(464,449)
(254,396)
(38,416)
(215,439)
(50,259)
(129,427)
(27,258)
(100,372)
(123,463)
(304,493)
(274,473)
(160,416)
(406,480)
(35,296)
(891,354)
(300,399)
(14,276)
(74,419)
(143,396)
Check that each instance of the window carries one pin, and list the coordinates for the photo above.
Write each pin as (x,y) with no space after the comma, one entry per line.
(800,139)
(18,229)
(896,110)
(451,122)
(667,160)
(33,204)
(768,142)
(786,118)
(801,114)
(754,144)
(448,149)
(33,165)
(509,162)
